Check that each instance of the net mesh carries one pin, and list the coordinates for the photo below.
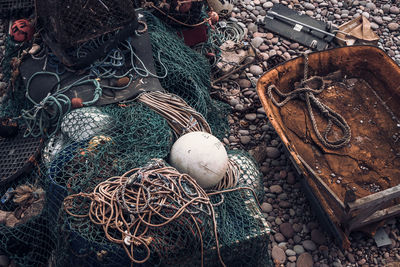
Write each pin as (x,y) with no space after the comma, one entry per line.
(97,143)
(73,21)
(13,8)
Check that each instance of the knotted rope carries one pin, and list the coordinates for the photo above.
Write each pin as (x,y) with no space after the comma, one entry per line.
(307,94)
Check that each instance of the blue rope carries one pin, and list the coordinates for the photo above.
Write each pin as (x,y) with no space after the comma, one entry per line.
(44,119)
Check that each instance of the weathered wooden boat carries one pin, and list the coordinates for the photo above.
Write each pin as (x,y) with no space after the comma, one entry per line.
(355,185)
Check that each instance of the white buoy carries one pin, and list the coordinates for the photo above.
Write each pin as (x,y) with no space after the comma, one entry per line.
(202,156)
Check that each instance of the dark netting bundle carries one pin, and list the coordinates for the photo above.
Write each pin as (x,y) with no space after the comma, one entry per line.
(12,8)
(70,22)
(25,221)
(188,74)
(178,12)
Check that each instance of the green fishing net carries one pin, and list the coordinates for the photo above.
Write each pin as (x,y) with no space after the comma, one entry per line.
(96,143)
(188,74)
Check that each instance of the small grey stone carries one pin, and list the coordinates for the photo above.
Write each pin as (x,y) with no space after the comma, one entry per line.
(309,245)
(245,139)
(371,6)
(378,20)
(305,260)
(244,83)
(393,26)
(362,261)
(394,10)
(252,27)
(279,237)
(309,6)
(268,5)
(317,237)
(286,229)
(251,116)
(284,204)
(365,14)
(256,70)
(278,254)
(374,26)
(297,227)
(257,41)
(351,258)
(266,207)
(290,252)
(239,107)
(272,152)
(386,8)
(298,249)
(277,189)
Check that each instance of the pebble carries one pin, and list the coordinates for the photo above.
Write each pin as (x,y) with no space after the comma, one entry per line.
(245,139)
(279,237)
(244,83)
(266,207)
(278,255)
(272,152)
(287,230)
(257,41)
(317,237)
(394,10)
(4,261)
(309,6)
(268,4)
(277,189)
(298,249)
(393,26)
(290,252)
(251,116)
(309,245)
(256,70)
(305,260)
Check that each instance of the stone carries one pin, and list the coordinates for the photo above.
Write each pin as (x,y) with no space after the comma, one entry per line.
(277,189)
(244,83)
(362,261)
(291,178)
(266,207)
(393,26)
(351,258)
(269,36)
(394,10)
(4,261)
(278,255)
(292,259)
(272,152)
(309,245)
(309,6)
(297,227)
(305,260)
(317,237)
(287,230)
(251,116)
(298,249)
(268,4)
(245,139)
(279,237)
(257,41)
(256,70)
(290,252)
(252,27)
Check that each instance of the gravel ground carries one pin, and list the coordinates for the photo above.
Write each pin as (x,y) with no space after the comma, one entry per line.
(298,239)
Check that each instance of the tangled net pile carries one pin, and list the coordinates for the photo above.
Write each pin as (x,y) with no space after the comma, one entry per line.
(128,207)
(96,143)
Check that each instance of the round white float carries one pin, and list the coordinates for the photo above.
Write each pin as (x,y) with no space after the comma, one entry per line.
(202,156)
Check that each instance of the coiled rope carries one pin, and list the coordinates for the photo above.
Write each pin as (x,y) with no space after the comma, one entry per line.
(181,117)
(143,199)
(307,94)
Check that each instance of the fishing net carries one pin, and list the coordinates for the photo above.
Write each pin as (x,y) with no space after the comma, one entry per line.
(242,232)
(13,8)
(188,74)
(96,143)
(24,234)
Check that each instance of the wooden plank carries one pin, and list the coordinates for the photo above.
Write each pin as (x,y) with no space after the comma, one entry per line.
(363,215)
(322,184)
(379,215)
(374,199)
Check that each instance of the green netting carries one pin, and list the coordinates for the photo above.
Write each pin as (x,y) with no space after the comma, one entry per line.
(188,74)
(29,243)
(250,175)
(96,143)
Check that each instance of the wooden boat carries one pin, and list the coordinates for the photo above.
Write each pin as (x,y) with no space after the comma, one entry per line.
(358,185)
